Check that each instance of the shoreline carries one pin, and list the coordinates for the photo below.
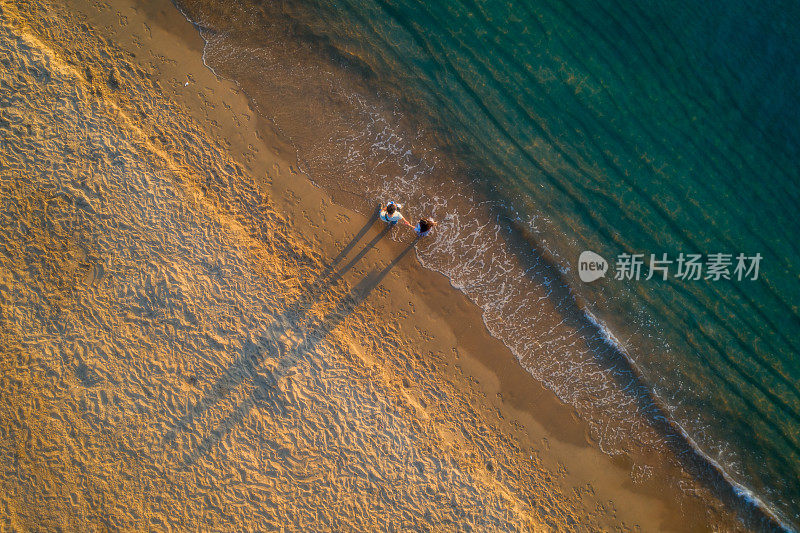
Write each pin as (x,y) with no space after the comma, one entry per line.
(735,493)
(706,471)
(453,328)
(570,436)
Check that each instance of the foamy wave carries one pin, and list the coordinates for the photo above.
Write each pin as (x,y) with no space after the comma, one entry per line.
(526,299)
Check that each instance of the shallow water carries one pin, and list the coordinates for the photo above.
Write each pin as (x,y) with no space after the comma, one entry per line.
(178,350)
(534,132)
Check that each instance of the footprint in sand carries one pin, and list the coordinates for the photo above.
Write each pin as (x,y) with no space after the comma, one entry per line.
(86,375)
(95,274)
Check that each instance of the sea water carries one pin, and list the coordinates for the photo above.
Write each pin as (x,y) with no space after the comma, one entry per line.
(535,131)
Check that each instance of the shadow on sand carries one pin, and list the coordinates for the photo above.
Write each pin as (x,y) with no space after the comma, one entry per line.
(275,355)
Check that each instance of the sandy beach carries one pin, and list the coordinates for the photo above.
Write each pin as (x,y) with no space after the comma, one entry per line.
(196,337)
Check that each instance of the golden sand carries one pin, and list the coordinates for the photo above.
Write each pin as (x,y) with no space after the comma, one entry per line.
(194,337)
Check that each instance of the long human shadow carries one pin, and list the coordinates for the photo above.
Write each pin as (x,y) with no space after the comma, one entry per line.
(352,244)
(254,354)
(356,258)
(266,393)
(328,277)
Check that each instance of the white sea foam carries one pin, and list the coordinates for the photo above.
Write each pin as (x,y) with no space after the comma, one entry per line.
(520,303)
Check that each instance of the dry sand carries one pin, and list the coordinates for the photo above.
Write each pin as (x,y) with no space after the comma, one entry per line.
(195,337)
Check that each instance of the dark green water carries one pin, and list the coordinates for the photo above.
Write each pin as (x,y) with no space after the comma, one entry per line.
(618,127)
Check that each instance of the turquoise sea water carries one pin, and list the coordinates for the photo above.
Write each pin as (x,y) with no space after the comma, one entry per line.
(617,127)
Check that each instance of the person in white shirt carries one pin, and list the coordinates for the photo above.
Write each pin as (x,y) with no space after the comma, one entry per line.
(391,214)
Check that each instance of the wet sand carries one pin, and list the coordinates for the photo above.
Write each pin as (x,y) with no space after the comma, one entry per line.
(196,337)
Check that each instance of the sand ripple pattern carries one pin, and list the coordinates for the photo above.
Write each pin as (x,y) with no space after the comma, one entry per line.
(174,357)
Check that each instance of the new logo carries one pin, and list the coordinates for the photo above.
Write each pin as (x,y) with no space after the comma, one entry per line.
(591,266)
